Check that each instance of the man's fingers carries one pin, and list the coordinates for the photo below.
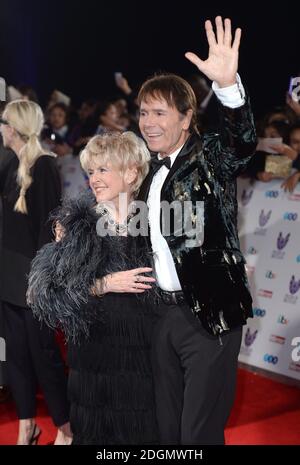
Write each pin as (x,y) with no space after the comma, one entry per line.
(227,35)
(211,38)
(220,30)
(237,39)
(195,60)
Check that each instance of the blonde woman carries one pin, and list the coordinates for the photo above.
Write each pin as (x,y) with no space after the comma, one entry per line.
(80,283)
(30,188)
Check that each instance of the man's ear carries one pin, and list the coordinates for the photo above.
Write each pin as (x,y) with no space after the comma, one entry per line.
(187,119)
(130,175)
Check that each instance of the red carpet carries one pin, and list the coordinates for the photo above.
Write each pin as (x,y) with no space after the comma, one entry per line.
(265,412)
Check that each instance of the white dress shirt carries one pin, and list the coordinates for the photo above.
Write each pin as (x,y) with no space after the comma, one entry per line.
(166,274)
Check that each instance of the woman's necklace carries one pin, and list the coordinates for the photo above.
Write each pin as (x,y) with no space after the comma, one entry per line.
(120,229)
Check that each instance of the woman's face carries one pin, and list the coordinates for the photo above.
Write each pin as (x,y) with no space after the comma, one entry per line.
(57,118)
(7,133)
(271,132)
(107,183)
(112,113)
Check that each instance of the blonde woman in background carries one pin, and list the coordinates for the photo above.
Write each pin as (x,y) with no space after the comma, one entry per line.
(30,189)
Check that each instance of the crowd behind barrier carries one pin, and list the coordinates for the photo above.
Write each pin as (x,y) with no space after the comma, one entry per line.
(269,229)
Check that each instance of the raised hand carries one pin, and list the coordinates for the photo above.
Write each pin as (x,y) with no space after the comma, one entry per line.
(222,62)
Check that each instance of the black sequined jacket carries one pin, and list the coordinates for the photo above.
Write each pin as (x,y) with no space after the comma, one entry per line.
(212,275)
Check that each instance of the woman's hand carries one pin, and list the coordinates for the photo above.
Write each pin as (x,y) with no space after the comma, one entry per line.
(222,62)
(59,231)
(290,183)
(132,281)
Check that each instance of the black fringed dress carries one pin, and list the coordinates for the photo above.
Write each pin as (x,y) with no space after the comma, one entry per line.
(110,380)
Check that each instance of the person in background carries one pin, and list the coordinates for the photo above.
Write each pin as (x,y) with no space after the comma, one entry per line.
(108,118)
(290,183)
(30,190)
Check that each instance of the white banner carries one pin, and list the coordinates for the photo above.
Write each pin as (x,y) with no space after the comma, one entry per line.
(269,230)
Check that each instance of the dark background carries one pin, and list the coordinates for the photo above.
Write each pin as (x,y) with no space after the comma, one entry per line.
(76,46)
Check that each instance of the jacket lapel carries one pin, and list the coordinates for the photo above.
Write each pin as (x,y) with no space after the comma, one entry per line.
(145,187)
(180,160)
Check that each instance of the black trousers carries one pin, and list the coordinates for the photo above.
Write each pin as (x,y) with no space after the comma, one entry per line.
(33,357)
(194,377)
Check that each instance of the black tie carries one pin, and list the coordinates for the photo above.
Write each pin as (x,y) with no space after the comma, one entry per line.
(156,164)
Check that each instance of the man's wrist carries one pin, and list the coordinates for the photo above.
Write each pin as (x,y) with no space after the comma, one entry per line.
(224,84)
(232,96)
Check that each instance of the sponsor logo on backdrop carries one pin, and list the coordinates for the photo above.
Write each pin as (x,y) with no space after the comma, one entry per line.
(270,275)
(262,221)
(294,286)
(249,338)
(260,312)
(295,197)
(246,197)
(281,244)
(290,216)
(272,194)
(270,359)
(277,339)
(282,240)
(282,320)
(265,293)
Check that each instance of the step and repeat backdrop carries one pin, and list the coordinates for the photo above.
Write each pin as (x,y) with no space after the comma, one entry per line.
(269,230)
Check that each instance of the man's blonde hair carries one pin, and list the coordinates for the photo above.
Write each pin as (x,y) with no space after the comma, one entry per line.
(121,151)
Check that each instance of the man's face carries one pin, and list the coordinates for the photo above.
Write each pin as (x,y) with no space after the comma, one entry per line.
(163,127)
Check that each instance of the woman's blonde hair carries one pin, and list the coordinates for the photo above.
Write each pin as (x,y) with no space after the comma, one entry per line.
(121,151)
(27,119)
